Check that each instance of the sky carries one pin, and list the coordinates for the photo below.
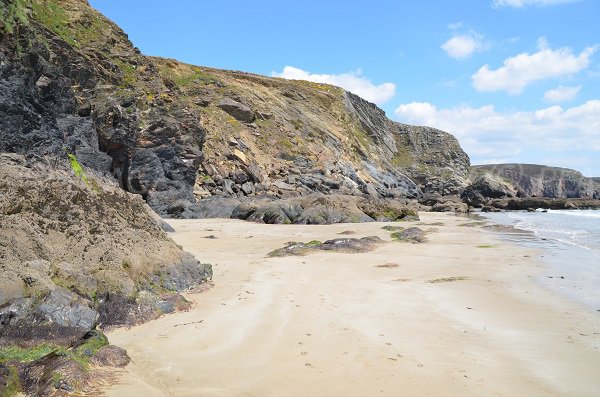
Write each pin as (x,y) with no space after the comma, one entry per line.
(513,80)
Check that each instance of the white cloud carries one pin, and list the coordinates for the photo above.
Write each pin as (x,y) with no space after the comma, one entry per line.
(353,82)
(488,135)
(521,70)
(461,46)
(561,94)
(522,3)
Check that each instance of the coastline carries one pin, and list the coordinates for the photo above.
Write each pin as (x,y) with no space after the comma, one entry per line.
(357,324)
(571,268)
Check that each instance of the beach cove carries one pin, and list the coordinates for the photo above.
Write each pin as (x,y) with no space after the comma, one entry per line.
(461,314)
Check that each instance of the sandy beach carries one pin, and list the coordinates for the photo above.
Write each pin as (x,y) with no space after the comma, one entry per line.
(459,315)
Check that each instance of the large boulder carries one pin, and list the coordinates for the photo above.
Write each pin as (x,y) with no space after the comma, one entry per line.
(487,186)
(237,110)
(493,186)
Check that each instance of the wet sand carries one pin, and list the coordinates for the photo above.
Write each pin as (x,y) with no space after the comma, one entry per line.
(339,324)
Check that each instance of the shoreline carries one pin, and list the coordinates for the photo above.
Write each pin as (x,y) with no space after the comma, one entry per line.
(576,281)
(420,319)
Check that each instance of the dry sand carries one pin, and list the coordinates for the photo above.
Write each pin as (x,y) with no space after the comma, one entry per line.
(336,324)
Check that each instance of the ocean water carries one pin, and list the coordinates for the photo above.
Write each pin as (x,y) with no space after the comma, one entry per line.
(570,240)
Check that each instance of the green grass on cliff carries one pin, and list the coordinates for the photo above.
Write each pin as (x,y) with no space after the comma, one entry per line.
(184,75)
(12,14)
(55,18)
(77,168)
(403,158)
(83,30)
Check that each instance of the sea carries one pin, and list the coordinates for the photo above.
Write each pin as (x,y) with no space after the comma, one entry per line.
(570,242)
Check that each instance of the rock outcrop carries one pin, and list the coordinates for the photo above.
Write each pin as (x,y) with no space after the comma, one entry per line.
(76,251)
(531,180)
(526,186)
(309,138)
(315,208)
(485,186)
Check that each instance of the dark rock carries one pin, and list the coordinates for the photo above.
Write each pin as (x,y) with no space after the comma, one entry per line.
(450,204)
(239,176)
(487,208)
(346,245)
(385,210)
(261,211)
(127,101)
(472,197)
(237,110)
(350,244)
(486,186)
(430,198)
(67,309)
(111,356)
(85,109)
(213,207)
(412,234)
(541,202)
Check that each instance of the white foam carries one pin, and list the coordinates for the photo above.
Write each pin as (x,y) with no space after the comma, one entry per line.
(582,213)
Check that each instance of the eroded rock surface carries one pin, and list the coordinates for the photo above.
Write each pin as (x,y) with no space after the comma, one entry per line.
(83,249)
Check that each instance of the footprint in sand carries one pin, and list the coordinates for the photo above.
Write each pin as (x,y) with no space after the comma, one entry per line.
(303,353)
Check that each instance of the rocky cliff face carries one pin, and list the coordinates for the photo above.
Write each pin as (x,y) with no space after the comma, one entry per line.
(71,78)
(284,138)
(79,129)
(530,180)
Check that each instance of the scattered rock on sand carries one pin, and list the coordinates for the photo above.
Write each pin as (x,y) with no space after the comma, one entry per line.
(448,279)
(389,265)
(412,235)
(391,228)
(347,245)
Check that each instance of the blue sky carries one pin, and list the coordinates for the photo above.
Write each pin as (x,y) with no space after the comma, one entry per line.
(514,80)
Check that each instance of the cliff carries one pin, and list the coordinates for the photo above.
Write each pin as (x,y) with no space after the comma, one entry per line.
(531,180)
(76,249)
(175,133)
